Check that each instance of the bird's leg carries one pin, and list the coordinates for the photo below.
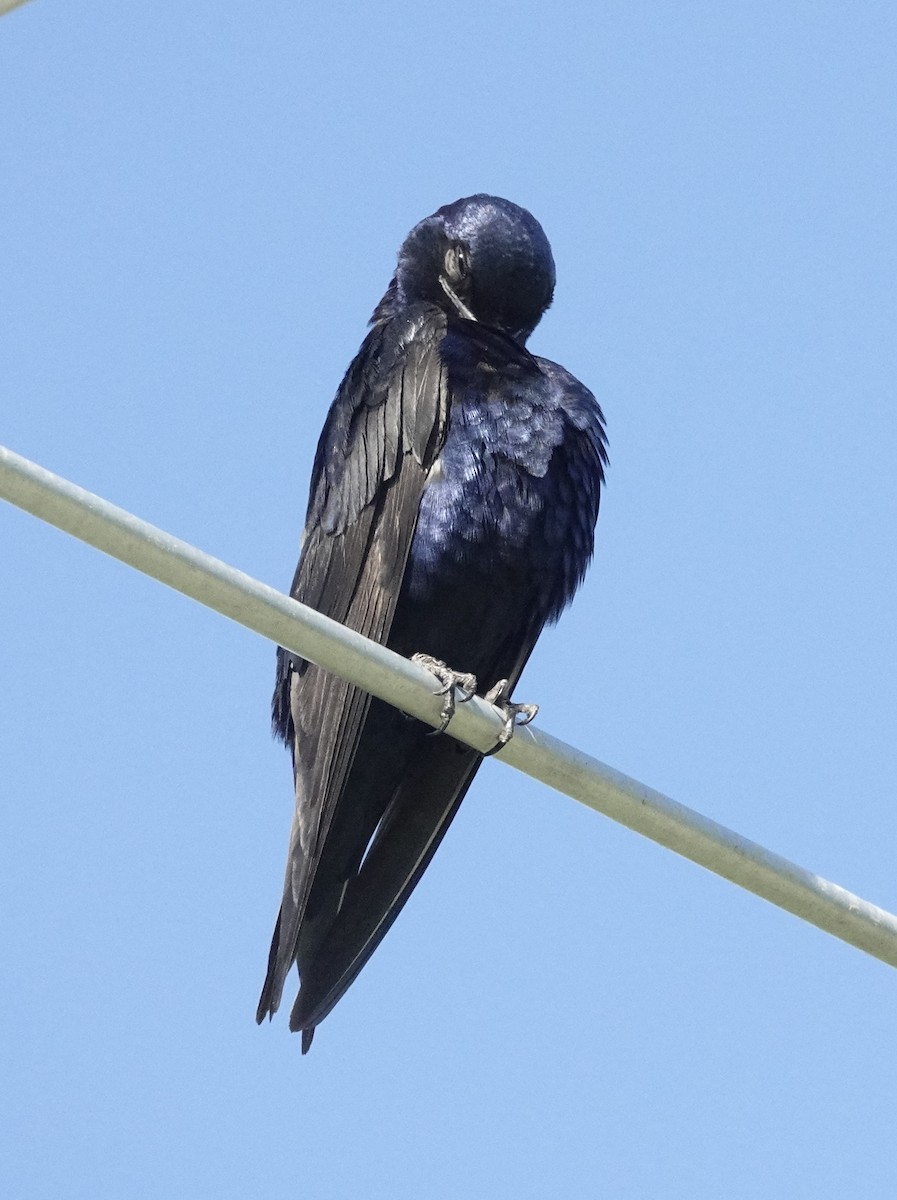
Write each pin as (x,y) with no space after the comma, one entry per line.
(514,714)
(449,681)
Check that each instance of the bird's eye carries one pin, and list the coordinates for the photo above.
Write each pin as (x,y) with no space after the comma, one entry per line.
(456,262)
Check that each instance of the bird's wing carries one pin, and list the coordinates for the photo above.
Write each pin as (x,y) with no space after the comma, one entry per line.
(384,430)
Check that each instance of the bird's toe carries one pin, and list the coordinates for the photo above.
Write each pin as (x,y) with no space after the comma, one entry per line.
(451,682)
(514,714)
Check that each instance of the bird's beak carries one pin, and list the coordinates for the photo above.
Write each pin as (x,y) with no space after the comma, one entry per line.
(459,305)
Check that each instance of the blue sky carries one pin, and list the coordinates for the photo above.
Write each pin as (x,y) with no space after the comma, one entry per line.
(201,205)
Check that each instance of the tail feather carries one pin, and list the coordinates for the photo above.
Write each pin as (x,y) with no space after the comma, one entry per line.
(407,838)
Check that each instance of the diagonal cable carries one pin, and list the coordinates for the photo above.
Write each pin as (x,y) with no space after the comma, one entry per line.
(8,5)
(411,688)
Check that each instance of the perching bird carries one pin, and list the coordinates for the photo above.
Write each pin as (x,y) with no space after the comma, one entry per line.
(452,512)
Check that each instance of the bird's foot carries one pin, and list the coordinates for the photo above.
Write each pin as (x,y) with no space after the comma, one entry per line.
(514,714)
(450,681)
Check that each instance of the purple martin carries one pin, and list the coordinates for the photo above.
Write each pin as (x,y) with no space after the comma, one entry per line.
(452,512)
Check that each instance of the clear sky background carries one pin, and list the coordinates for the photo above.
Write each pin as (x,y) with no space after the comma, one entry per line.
(201,206)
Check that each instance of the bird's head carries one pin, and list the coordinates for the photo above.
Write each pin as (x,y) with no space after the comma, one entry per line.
(482,258)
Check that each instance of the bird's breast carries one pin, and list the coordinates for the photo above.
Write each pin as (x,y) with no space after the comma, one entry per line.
(483,508)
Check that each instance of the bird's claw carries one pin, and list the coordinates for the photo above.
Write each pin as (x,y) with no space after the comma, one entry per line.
(514,714)
(450,681)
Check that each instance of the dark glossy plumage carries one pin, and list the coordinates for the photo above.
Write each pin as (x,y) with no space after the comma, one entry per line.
(452,512)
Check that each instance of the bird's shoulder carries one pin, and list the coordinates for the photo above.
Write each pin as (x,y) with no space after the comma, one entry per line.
(527,406)
(570,396)
(584,435)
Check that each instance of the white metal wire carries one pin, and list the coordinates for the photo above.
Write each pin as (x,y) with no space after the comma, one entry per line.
(8,5)
(411,688)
